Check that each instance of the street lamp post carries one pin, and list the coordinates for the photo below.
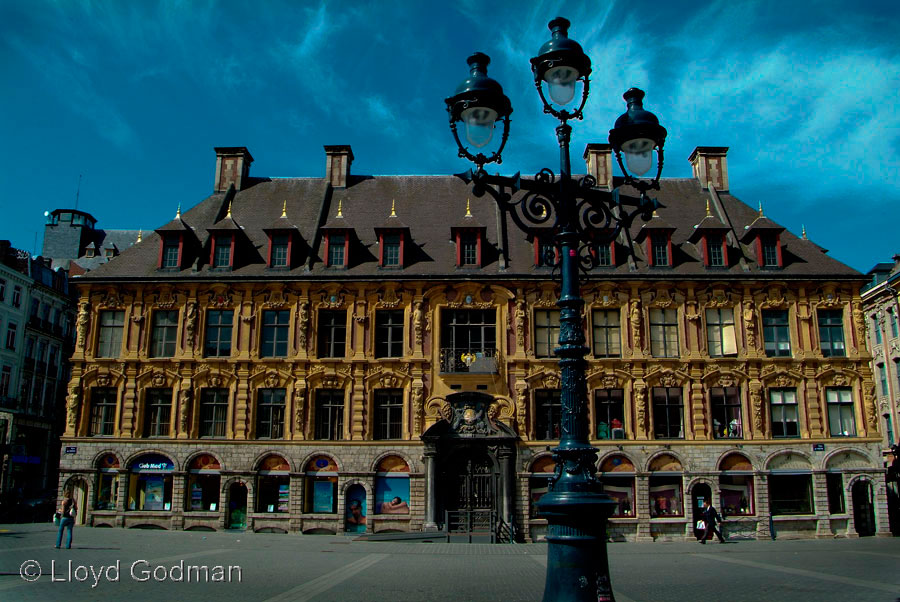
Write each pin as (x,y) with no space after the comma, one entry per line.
(581,216)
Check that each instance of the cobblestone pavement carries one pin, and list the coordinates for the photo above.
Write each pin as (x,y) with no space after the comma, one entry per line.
(333,568)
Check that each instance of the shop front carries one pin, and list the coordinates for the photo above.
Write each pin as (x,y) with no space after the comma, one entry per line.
(149,495)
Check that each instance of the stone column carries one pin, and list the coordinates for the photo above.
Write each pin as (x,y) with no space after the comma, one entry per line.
(506,484)
(178,486)
(122,497)
(430,490)
(358,403)
(642,507)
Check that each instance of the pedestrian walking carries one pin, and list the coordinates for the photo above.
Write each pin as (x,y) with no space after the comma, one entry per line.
(710,518)
(67,512)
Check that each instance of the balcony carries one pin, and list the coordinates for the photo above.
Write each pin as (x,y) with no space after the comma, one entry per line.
(469,361)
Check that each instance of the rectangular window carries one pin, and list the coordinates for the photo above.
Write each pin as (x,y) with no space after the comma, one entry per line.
(275,333)
(330,414)
(389,333)
(607,333)
(390,251)
(468,249)
(388,414)
(659,247)
(332,333)
(222,253)
(112,325)
(714,246)
(2,290)
(103,411)
(604,255)
(720,338)
(158,412)
(11,335)
(726,413)
(790,494)
(783,407)
(468,340)
(877,330)
(279,251)
(664,332)
(831,332)
(165,329)
(336,242)
(882,376)
(270,414)
(5,383)
(218,332)
(668,413)
(17,296)
(769,246)
(549,410)
(834,484)
(895,329)
(170,252)
(776,332)
(213,412)
(841,420)
(546,332)
(546,251)
(609,410)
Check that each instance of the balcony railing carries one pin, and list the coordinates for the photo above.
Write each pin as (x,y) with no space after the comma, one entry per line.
(472,361)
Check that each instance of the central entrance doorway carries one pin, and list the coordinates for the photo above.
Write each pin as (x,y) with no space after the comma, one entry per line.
(863,508)
(237,506)
(469,496)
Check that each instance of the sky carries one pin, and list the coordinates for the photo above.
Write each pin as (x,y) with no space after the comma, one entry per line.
(132,97)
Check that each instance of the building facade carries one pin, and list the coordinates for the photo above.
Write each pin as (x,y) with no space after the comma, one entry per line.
(375,354)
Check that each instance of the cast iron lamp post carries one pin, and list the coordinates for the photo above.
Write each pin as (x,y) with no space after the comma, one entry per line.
(581,216)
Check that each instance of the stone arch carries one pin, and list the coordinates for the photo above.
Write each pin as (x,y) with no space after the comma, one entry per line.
(657,457)
(106,452)
(847,459)
(713,486)
(255,466)
(728,455)
(861,477)
(130,460)
(227,482)
(356,481)
(199,452)
(319,452)
(70,482)
(789,460)
(539,458)
(612,454)
(389,453)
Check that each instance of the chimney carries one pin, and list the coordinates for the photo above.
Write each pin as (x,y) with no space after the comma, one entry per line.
(710,165)
(337,164)
(232,167)
(598,158)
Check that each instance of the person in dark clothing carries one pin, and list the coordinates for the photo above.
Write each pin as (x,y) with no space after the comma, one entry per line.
(710,517)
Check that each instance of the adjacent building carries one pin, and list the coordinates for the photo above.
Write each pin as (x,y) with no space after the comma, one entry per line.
(375,353)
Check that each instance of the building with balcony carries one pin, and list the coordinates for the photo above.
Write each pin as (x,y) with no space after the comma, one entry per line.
(375,354)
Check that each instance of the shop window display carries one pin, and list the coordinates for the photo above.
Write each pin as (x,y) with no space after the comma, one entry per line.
(539,482)
(108,483)
(150,483)
(736,486)
(273,485)
(320,493)
(617,476)
(666,485)
(790,494)
(392,486)
(203,484)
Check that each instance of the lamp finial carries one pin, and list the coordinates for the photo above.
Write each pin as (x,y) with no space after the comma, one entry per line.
(340,213)
(468,210)
(140,235)
(284,209)
(803,226)
(708,213)
(178,211)
(760,210)
(393,213)
(229,209)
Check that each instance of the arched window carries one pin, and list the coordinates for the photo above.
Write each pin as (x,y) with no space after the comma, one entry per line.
(736,486)
(790,485)
(356,511)
(107,482)
(539,483)
(150,483)
(321,486)
(273,485)
(617,476)
(203,484)
(392,486)
(666,485)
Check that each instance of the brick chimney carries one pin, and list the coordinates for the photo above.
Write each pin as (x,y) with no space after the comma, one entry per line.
(598,158)
(710,165)
(337,164)
(232,167)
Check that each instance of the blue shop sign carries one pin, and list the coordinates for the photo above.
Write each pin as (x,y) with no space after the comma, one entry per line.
(26,459)
(152,463)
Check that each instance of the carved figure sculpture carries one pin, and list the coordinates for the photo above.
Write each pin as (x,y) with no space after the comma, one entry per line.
(750,326)
(520,325)
(190,323)
(302,319)
(186,397)
(72,402)
(82,322)
(636,325)
(418,322)
(640,404)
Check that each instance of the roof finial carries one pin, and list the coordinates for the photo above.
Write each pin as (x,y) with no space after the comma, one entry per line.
(655,213)
(468,210)
(140,235)
(284,209)
(760,209)
(393,213)
(178,212)
(708,213)
(229,209)
(340,204)
(803,226)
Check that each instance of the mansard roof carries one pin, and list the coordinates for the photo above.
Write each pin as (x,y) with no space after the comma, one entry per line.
(431,206)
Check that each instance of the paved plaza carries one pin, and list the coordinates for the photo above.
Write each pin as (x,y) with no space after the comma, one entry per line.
(137,565)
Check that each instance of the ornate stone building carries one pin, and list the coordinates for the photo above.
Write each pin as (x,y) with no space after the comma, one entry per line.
(375,354)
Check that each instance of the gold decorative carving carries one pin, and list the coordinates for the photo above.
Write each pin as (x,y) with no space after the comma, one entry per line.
(104,380)
(82,322)
(302,324)
(190,323)
(158,379)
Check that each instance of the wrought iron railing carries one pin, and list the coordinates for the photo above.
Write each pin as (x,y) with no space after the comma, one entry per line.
(482,360)
(470,523)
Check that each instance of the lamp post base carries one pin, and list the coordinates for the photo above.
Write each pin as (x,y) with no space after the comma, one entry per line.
(577,565)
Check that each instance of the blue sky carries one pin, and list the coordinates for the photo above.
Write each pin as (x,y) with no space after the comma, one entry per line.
(133,96)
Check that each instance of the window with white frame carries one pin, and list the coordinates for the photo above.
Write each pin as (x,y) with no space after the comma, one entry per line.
(841,414)
(720,338)
(664,332)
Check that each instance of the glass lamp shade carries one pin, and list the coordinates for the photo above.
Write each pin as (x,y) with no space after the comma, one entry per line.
(561,83)
(479,125)
(639,155)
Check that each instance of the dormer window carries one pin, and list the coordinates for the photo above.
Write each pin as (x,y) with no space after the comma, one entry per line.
(545,252)
(90,252)
(391,249)
(605,254)
(769,251)
(660,249)
(336,243)
(279,250)
(715,250)
(222,250)
(109,252)
(469,249)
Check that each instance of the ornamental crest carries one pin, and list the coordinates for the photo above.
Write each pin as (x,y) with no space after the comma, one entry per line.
(389,381)
(551,381)
(104,380)
(332,382)
(275,299)
(388,298)
(220,300)
(215,380)
(166,299)
(829,297)
(272,380)
(333,300)
(668,379)
(609,382)
(774,298)
(113,298)
(783,380)
(662,298)
(471,418)
(726,380)
(158,379)
(719,299)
